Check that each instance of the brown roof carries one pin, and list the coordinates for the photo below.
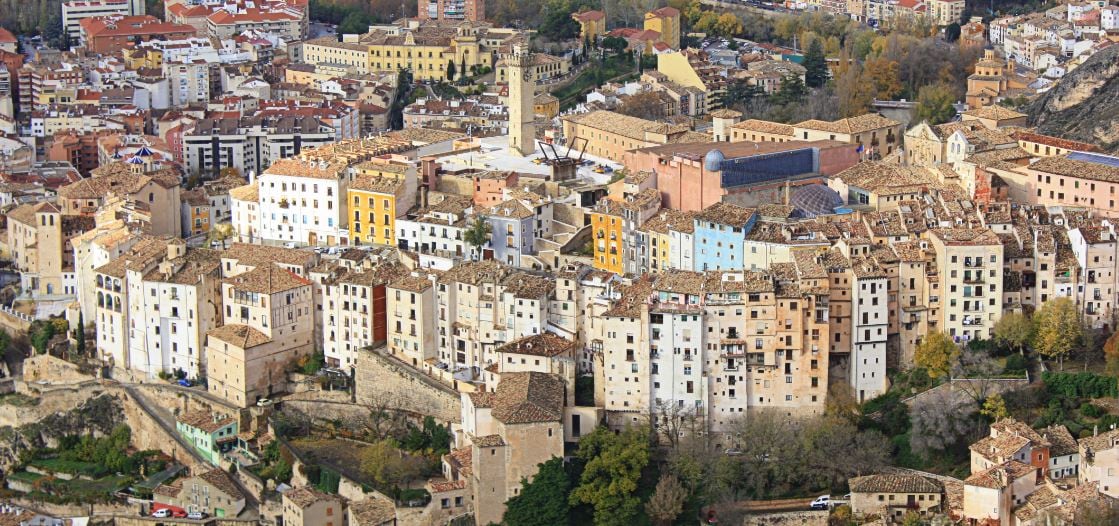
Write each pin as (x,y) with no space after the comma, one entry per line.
(1062,165)
(250,254)
(372,511)
(994,112)
(895,483)
(851,125)
(221,481)
(966,236)
(205,420)
(306,496)
(1057,142)
(267,279)
(1060,439)
(524,398)
(726,214)
(544,344)
(1000,476)
(242,336)
(773,128)
(624,125)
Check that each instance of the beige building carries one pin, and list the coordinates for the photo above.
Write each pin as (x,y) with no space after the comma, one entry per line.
(410,304)
(212,492)
(895,495)
(990,496)
(268,314)
(39,245)
(1099,461)
(970,262)
(307,506)
(514,429)
(155,191)
(610,134)
(876,134)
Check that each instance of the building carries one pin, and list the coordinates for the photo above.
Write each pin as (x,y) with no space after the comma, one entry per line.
(156,190)
(282,20)
(211,492)
(995,117)
(307,506)
(991,495)
(38,242)
(895,495)
(522,90)
(1099,461)
(269,318)
(706,82)
(75,11)
(592,25)
(720,235)
(252,144)
(666,21)
(354,310)
(610,135)
(471,10)
(945,12)
(211,434)
(971,263)
(378,196)
(104,35)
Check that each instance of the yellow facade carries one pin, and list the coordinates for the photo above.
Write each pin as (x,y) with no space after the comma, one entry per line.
(608,242)
(667,23)
(143,58)
(199,220)
(374,217)
(426,61)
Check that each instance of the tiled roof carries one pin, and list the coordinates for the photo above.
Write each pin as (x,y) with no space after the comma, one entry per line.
(220,480)
(306,496)
(1056,142)
(1000,476)
(587,16)
(624,125)
(895,483)
(851,125)
(1061,165)
(1101,442)
(966,236)
(205,420)
(544,344)
(489,441)
(726,214)
(1060,440)
(529,397)
(994,112)
(250,254)
(267,279)
(443,487)
(372,511)
(242,336)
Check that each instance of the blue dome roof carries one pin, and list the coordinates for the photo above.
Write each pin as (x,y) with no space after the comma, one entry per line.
(713,162)
(815,200)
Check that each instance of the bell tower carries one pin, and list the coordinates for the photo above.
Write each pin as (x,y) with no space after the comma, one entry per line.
(522,92)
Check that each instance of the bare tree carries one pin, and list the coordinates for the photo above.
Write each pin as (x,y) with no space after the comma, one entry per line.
(940,419)
(667,501)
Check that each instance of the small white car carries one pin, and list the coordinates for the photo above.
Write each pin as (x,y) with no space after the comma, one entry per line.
(196,515)
(161,514)
(822,502)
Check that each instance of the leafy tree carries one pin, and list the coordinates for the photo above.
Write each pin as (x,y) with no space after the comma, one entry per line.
(937,353)
(815,65)
(451,70)
(543,501)
(994,408)
(431,437)
(615,44)
(388,466)
(792,90)
(609,479)
(935,103)
(952,32)
(667,501)
(1014,330)
(882,74)
(850,88)
(355,23)
(478,234)
(1058,329)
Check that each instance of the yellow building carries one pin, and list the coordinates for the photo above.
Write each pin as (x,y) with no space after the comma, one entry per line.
(691,70)
(426,49)
(380,194)
(607,225)
(544,67)
(546,104)
(665,21)
(592,24)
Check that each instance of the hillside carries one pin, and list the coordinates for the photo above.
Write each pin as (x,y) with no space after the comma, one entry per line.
(1084,105)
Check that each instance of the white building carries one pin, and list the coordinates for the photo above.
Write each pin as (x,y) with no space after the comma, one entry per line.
(303,201)
(74,12)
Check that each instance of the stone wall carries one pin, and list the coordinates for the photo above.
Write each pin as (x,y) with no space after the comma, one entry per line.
(51,369)
(788,518)
(385,381)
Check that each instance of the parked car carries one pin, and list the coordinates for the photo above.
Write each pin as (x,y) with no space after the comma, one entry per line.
(821,503)
(263,402)
(196,515)
(161,514)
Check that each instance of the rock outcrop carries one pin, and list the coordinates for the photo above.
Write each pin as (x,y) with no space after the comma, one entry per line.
(1084,105)
(97,416)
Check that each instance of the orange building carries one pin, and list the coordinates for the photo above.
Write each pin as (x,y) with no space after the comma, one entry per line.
(108,34)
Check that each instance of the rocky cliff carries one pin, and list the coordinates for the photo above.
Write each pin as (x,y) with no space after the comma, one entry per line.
(96,416)
(1084,105)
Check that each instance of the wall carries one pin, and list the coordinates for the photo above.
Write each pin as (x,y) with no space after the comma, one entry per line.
(799,518)
(383,380)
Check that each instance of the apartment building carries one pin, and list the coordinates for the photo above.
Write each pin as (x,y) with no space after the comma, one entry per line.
(156,190)
(435,232)
(610,135)
(75,11)
(380,194)
(268,323)
(472,10)
(614,225)
(307,506)
(411,307)
(250,144)
(354,309)
(720,236)
(666,22)
(104,35)
(283,20)
(970,262)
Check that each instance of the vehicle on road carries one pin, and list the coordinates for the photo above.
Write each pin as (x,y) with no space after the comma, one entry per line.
(161,514)
(821,503)
(196,515)
(185,383)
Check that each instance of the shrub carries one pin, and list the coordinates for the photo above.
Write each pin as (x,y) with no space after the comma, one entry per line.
(1016,363)
(1090,411)
(1080,385)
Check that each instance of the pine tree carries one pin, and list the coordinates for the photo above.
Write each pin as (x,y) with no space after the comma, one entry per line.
(815,65)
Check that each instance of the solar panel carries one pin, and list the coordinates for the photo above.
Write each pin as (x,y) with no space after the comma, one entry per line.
(1095,158)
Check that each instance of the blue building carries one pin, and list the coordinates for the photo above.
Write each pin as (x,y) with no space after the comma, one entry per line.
(720,236)
(512,233)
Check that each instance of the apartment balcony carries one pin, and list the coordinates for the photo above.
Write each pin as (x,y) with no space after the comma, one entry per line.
(973,278)
(973,262)
(973,308)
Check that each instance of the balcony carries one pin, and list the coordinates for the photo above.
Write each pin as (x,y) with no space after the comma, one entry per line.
(973,278)
(973,262)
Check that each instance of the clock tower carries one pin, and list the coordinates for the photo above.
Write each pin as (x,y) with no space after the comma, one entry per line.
(522,92)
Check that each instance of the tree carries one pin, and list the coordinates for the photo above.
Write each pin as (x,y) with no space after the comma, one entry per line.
(815,65)
(451,70)
(940,420)
(952,32)
(542,502)
(1058,329)
(79,335)
(667,501)
(616,45)
(609,479)
(355,23)
(882,74)
(792,90)
(994,408)
(388,466)
(850,89)
(1014,330)
(935,104)
(477,235)
(937,353)
(645,105)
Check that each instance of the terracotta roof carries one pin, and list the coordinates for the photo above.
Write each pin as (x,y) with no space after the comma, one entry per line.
(523,398)
(994,112)
(1001,476)
(587,16)
(1061,165)
(205,420)
(1060,440)
(6,37)
(624,125)
(250,254)
(372,512)
(895,483)
(489,441)
(966,236)
(249,192)
(726,214)
(1056,142)
(443,487)
(1101,442)
(851,125)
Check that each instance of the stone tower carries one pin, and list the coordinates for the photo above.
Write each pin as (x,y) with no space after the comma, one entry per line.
(522,91)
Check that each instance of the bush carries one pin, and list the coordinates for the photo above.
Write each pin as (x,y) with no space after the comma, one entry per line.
(1090,411)
(1016,363)
(1080,385)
